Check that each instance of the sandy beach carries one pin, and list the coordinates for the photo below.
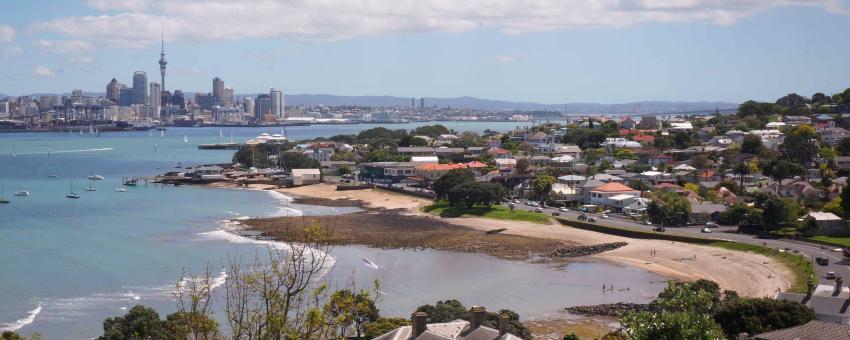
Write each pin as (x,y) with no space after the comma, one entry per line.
(749,274)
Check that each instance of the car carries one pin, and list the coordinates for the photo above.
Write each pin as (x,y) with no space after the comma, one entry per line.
(538,210)
(659,229)
(705,230)
(710,225)
(823,261)
(556,213)
(582,217)
(592,219)
(830,275)
(563,209)
(346,180)
(646,222)
(346,176)
(604,215)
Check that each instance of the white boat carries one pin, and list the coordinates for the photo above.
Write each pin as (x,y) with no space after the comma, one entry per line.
(13,154)
(185,139)
(96,178)
(120,190)
(161,133)
(22,193)
(72,194)
(220,135)
(91,189)
(52,175)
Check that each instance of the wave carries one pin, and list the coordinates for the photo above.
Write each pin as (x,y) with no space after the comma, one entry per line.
(14,326)
(284,209)
(63,151)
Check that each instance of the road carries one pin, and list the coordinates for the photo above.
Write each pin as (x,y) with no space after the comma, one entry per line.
(837,262)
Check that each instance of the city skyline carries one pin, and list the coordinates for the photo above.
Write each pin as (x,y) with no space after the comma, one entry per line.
(677,52)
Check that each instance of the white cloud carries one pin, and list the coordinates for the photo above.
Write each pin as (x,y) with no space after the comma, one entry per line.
(7,34)
(43,72)
(83,60)
(75,47)
(118,5)
(139,23)
(12,51)
(506,58)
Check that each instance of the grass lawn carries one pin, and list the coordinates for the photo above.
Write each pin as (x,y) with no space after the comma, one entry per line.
(499,212)
(839,241)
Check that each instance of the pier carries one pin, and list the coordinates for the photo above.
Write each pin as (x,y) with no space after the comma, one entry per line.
(220,146)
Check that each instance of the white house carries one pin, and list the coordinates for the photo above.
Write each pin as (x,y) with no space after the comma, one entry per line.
(306,176)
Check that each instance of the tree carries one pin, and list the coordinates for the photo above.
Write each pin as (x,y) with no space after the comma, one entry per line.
(140,322)
(450,310)
(383,325)
(759,315)
(742,170)
(682,140)
(570,336)
(350,310)
(843,146)
(522,166)
(412,141)
(680,312)
(792,100)
(820,98)
(542,185)
(470,193)
(432,131)
(700,162)
(834,206)
(845,201)
(751,144)
(453,178)
(800,144)
(668,207)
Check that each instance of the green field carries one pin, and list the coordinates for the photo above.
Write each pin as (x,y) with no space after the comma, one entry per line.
(499,212)
(838,241)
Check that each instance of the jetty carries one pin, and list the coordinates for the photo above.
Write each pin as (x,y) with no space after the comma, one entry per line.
(220,146)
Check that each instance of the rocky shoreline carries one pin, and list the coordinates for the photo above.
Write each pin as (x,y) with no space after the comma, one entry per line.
(608,309)
(579,251)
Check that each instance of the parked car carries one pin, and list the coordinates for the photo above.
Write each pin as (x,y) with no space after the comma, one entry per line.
(604,215)
(646,222)
(556,213)
(830,275)
(705,230)
(592,219)
(538,210)
(710,225)
(563,209)
(823,261)
(659,229)
(582,217)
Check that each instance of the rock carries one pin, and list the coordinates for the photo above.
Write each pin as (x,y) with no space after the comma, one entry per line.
(496,231)
(610,309)
(585,250)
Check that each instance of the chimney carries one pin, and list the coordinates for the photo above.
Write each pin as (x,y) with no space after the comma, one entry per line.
(810,288)
(503,324)
(838,282)
(477,316)
(420,323)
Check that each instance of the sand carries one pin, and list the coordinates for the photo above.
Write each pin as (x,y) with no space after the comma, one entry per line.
(749,274)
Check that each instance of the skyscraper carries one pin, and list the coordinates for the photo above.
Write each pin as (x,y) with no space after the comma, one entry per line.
(277,103)
(248,105)
(263,107)
(113,91)
(422,103)
(227,100)
(162,63)
(218,88)
(156,95)
(140,88)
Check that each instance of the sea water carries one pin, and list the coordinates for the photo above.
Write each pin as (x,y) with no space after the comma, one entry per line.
(67,264)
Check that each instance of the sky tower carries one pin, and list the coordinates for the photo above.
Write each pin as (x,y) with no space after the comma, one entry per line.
(162,63)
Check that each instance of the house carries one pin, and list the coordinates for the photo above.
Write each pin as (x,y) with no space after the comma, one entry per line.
(830,303)
(602,194)
(564,193)
(563,161)
(797,120)
(628,123)
(829,224)
(569,149)
(812,330)
(209,172)
(537,138)
(445,139)
(659,159)
(387,172)
(499,153)
(702,212)
(842,162)
(655,177)
(425,159)
(473,329)
(539,160)
(433,171)
(824,121)
(649,123)
(686,127)
(318,154)
(415,150)
(448,152)
(306,176)
(637,206)
(606,178)
(505,164)
(572,180)
(619,203)
(834,135)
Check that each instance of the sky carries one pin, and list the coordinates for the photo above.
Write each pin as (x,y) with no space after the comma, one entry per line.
(546,51)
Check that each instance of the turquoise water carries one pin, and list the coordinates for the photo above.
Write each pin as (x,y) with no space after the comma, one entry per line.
(68,264)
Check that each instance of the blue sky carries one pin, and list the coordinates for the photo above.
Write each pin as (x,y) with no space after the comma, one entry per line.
(607,51)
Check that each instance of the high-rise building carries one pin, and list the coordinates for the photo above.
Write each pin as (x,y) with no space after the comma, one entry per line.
(278,108)
(140,87)
(248,106)
(178,99)
(227,100)
(125,97)
(413,102)
(162,63)
(422,103)
(156,95)
(218,88)
(113,91)
(262,107)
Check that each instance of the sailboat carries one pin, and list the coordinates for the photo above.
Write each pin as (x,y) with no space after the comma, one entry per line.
(231,137)
(161,133)
(72,194)
(13,154)
(185,139)
(220,135)
(22,193)
(3,199)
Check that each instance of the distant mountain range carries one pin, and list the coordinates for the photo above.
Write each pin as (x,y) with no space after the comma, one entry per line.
(640,107)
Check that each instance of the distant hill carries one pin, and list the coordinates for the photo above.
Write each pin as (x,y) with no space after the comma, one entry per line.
(498,105)
(641,107)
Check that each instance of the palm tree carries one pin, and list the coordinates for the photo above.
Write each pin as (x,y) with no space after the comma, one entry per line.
(742,170)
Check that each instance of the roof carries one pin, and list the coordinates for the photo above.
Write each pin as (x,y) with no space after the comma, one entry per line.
(613,187)
(538,135)
(440,167)
(458,330)
(300,172)
(498,151)
(621,197)
(643,138)
(414,149)
(823,216)
(572,178)
(424,159)
(812,330)
(476,164)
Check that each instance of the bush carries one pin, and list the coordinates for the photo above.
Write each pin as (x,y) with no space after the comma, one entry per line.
(760,315)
